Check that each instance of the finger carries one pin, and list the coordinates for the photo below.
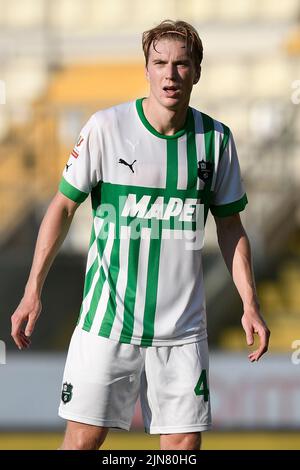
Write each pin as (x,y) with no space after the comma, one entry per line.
(24,339)
(19,336)
(249,337)
(30,325)
(16,323)
(252,357)
(24,344)
(263,341)
(17,340)
(21,339)
(22,333)
(260,352)
(263,347)
(255,356)
(16,333)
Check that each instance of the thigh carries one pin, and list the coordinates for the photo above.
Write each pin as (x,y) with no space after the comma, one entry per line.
(175,389)
(101,381)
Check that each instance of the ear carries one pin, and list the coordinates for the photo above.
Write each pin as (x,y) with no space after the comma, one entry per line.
(197,77)
(146,73)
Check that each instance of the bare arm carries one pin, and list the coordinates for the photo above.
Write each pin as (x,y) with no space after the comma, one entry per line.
(53,230)
(236,251)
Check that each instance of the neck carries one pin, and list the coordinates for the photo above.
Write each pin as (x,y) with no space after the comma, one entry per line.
(165,121)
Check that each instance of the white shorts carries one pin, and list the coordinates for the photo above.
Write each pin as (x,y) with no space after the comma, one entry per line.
(103,378)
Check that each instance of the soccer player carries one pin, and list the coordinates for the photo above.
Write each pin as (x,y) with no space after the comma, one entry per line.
(154,168)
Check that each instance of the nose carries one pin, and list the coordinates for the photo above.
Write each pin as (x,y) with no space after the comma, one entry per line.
(170,71)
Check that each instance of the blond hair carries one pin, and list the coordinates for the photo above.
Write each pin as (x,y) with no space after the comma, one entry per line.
(180,30)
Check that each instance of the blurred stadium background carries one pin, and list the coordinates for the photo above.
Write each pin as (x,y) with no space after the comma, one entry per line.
(60,61)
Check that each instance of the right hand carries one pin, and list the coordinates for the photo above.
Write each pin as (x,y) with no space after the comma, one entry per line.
(26,315)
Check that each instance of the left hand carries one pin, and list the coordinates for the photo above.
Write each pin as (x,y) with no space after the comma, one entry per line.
(253,322)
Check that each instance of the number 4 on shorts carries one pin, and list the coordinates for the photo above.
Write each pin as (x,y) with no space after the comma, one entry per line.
(201,387)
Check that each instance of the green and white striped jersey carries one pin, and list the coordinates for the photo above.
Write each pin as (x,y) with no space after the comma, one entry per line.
(150,196)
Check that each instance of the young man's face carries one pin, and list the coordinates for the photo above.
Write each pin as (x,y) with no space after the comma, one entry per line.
(171,73)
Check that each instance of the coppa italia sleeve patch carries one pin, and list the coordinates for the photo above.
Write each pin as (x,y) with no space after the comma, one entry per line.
(79,141)
(74,152)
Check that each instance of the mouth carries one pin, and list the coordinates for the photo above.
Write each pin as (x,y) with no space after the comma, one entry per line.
(171,90)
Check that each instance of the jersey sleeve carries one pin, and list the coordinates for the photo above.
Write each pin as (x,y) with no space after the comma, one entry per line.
(229,196)
(83,169)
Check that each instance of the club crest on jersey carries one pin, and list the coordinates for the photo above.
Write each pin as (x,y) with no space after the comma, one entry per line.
(205,170)
(66,394)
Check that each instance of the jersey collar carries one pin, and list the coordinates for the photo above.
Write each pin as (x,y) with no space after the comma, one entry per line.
(146,123)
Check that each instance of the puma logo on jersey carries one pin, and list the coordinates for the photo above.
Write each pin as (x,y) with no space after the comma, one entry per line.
(127,164)
(68,166)
(175,207)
